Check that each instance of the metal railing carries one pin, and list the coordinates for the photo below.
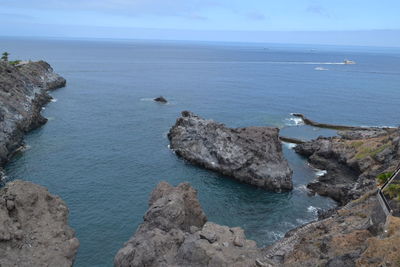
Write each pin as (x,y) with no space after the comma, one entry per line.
(381,197)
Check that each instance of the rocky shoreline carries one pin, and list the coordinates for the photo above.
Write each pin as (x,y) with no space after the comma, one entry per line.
(34,228)
(352,160)
(357,233)
(175,232)
(252,155)
(23,93)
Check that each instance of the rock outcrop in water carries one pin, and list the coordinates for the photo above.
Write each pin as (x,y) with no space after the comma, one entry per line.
(175,232)
(33,227)
(160,99)
(352,161)
(252,155)
(22,96)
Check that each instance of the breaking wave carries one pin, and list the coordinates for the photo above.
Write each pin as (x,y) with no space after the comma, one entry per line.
(320,173)
(294,121)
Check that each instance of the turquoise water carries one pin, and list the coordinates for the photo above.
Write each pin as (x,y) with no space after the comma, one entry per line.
(105,146)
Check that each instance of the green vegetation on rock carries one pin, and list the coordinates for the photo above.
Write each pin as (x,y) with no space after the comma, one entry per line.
(383,177)
(393,190)
(370,151)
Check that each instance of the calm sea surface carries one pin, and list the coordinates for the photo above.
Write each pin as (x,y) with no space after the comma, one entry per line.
(105,147)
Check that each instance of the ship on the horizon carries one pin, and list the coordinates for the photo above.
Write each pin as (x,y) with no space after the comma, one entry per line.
(349,62)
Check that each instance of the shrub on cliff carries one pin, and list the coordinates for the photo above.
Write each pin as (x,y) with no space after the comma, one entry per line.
(383,177)
(393,190)
(4,56)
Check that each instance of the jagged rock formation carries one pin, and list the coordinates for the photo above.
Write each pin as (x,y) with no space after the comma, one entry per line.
(175,232)
(252,155)
(352,160)
(33,227)
(22,95)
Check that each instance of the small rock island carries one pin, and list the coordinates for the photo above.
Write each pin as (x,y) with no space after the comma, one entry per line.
(252,155)
(161,99)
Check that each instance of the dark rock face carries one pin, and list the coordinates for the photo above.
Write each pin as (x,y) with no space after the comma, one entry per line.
(252,155)
(22,95)
(352,161)
(175,232)
(33,227)
(160,99)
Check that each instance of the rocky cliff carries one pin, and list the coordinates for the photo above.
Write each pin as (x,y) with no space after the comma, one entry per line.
(251,155)
(33,223)
(22,95)
(352,160)
(33,227)
(350,236)
(175,232)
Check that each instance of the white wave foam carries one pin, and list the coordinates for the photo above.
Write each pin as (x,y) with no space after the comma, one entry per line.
(25,148)
(321,173)
(294,121)
(302,188)
(54,100)
(289,145)
(302,221)
(312,209)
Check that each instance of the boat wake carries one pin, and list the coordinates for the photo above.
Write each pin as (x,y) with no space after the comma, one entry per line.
(147,99)
(321,69)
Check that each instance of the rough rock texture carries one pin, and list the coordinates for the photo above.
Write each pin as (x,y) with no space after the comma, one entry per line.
(350,236)
(33,227)
(252,155)
(175,232)
(22,95)
(352,160)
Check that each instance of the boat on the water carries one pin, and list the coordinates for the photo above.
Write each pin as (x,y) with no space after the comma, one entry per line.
(349,62)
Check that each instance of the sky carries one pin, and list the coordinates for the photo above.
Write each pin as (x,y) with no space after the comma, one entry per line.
(352,22)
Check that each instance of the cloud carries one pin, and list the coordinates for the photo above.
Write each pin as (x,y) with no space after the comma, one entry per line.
(183,8)
(255,16)
(318,10)
(16,17)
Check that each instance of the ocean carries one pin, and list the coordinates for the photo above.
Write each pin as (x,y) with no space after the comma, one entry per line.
(105,146)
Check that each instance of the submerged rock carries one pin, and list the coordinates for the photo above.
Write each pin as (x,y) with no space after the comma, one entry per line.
(33,227)
(175,232)
(251,155)
(352,161)
(160,99)
(22,96)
